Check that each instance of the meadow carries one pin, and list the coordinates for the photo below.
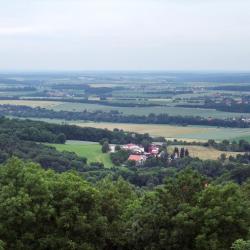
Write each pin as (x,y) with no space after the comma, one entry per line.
(92,151)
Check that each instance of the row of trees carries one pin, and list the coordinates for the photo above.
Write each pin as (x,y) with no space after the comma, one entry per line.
(44,210)
(221,106)
(226,145)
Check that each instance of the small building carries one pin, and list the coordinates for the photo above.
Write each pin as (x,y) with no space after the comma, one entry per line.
(112,148)
(139,159)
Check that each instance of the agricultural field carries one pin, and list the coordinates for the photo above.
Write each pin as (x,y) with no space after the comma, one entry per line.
(33,104)
(204,153)
(170,110)
(92,151)
(199,133)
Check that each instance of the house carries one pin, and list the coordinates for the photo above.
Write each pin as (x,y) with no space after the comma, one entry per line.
(139,159)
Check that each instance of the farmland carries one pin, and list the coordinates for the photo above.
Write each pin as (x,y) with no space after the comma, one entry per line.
(200,133)
(37,103)
(171,110)
(131,93)
(167,89)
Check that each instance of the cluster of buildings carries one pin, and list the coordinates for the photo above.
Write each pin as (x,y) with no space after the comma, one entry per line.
(138,153)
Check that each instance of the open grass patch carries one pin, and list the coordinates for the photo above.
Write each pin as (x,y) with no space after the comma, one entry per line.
(92,151)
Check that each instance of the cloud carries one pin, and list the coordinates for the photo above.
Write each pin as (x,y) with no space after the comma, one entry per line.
(15,30)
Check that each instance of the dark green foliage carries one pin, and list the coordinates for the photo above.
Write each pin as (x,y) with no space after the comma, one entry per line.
(54,133)
(119,157)
(105,147)
(61,138)
(45,210)
(241,245)
(47,156)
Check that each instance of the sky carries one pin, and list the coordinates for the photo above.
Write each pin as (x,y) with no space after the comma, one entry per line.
(125,35)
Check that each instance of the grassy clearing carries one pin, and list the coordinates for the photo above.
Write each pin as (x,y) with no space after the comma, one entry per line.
(204,153)
(92,151)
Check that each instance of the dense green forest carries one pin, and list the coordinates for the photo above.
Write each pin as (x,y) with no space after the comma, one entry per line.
(45,210)
(115,116)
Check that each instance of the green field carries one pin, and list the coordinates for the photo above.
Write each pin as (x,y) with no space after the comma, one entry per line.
(92,151)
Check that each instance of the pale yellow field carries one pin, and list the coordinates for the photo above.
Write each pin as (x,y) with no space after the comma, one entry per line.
(187,133)
(152,129)
(42,104)
(204,153)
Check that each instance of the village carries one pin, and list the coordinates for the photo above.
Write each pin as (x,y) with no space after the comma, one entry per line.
(139,154)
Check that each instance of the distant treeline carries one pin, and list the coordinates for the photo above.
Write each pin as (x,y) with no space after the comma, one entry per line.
(233,108)
(231,87)
(13,89)
(225,145)
(170,92)
(115,116)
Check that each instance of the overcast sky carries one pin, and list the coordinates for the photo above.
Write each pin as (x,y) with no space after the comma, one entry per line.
(125,35)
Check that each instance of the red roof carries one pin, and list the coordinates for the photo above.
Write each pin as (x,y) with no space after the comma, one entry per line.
(135,158)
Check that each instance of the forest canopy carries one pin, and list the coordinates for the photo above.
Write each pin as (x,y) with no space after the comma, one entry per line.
(42,209)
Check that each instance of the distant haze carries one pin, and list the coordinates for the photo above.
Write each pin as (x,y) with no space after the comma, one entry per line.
(125,35)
